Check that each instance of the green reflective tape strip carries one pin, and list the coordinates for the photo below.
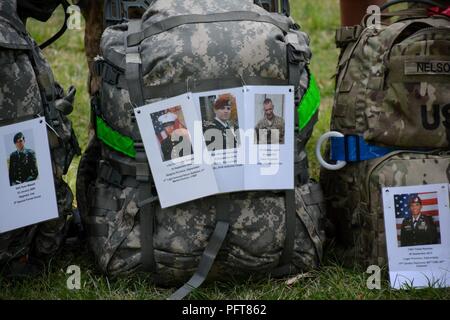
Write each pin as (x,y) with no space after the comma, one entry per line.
(114,139)
(309,104)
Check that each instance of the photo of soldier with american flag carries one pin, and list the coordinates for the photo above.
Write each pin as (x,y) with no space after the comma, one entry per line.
(417,216)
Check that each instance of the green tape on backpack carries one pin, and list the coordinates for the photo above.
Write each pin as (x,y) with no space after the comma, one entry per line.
(114,139)
(309,104)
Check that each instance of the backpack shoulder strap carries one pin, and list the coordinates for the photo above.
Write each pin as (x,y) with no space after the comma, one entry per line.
(133,71)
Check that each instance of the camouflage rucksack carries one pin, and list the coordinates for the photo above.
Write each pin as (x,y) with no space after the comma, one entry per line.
(27,89)
(127,230)
(391,121)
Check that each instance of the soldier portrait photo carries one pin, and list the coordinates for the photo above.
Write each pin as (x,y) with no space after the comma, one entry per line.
(172,133)
(419,212)
(270,126)
(22,163)
(220,121)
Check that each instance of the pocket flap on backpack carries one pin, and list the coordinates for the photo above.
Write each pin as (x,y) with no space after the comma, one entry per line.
(10,38)
(346,86)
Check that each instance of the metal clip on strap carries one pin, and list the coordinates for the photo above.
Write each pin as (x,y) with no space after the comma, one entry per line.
(107,173)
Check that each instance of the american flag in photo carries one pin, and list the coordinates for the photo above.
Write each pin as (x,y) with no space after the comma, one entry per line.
(159,128)
(429,207)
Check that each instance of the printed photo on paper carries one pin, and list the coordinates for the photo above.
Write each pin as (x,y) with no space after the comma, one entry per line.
(26,176)
(220,121)
(172,134)
(167,129)
(222,118)
(417,224)
(417,217)
(269,115)
(22,163)
(270,118)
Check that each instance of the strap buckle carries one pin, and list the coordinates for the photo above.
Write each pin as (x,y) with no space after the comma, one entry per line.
(98,66)
(118,11)
(107,72)
(345,35)
(110,74)
(107,173)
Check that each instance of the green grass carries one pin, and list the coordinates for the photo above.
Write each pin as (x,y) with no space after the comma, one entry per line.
(319,19)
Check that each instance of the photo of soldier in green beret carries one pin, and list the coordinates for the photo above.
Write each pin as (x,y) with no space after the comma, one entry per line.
(22,162)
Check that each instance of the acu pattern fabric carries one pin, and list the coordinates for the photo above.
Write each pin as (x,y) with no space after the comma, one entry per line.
(110,209)
(25,78)
(390,91)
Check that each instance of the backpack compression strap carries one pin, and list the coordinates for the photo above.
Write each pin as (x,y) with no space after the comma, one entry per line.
(212,249)
(133,72)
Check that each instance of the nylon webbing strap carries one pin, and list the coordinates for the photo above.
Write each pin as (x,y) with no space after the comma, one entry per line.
(133,70)
(173,22)
(294,58)
(212,249)
(174,89)
(147,218)
(45,82)
(288,249)
(97,230)
(309,224)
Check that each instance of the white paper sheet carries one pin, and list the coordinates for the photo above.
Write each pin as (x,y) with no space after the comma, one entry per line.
(183,178)
(218,126)
(26,179)
(419,253)
(228,155)
(270,165)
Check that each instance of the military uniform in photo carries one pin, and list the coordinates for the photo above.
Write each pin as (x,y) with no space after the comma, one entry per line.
(22,165)
(421,232)
(277,123)
(168,143)
(227,131)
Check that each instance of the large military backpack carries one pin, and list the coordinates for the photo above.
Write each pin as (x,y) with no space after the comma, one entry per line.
(145,60)
(28,90)
(390,123)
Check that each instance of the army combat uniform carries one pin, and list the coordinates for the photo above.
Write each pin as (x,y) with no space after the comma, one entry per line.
(420,232)
(228,132)
(28,89)
(22,166)
(277,123)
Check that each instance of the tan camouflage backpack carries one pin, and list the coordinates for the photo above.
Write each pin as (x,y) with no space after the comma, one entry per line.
(148,59)
(391,123)
(28,90)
